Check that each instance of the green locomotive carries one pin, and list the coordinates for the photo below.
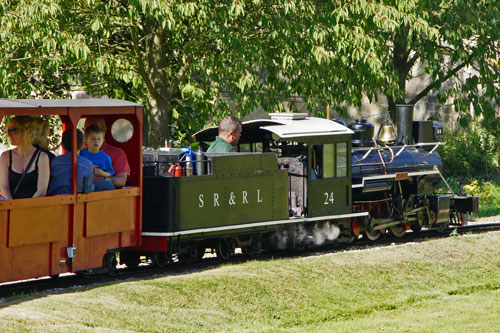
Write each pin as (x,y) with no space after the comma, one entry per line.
(291,184)
(270,189)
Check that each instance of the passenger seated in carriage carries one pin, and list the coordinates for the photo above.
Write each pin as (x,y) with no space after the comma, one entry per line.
(24,170)
(61,173)
(41,136)
(94,138)
(118,157)
(229,135)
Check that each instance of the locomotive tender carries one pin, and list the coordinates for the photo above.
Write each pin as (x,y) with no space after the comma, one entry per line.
(296,181)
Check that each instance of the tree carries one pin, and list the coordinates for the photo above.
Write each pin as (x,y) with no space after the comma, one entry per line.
(445,38)
(351,53)
(32,63)
(178,56)
(468,35)
(174,56)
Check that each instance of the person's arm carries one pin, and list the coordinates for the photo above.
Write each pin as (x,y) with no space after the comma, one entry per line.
(121,168)
(4,175)
(43,175)
(88,185)
(109,166)
(101,173)
(119,180)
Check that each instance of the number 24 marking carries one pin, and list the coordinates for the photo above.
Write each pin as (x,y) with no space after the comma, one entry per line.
(329,198)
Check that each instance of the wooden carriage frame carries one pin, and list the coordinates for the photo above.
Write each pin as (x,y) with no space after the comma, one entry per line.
(69,233)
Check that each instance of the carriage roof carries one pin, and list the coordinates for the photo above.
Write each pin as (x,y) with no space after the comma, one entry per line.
(64,103)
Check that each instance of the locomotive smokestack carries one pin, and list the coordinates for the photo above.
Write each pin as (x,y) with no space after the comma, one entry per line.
(404,119)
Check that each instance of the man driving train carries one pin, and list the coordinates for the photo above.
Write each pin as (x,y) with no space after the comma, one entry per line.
(229,135)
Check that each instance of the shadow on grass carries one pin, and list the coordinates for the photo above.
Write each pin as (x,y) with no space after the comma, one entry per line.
(42,287)
(19,292)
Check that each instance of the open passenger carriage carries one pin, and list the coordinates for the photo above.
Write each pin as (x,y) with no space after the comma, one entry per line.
(70,233)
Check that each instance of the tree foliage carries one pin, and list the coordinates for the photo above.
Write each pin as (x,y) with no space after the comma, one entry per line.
(474,151)
(467,38)
(31,61)
(179,57)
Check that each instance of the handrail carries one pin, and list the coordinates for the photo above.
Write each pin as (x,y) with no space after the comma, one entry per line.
(444,180)
(420,144)
(403,148)
(382,161)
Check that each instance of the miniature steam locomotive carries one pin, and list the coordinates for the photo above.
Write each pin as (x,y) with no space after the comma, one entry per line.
(297,181)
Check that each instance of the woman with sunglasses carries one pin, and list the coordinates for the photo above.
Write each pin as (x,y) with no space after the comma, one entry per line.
(24,170)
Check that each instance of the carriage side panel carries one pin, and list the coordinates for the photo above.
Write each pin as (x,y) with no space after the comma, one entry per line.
(103,221)
(36,237)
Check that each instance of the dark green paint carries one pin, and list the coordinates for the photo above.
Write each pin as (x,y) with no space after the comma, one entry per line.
(321,192)
(242,189)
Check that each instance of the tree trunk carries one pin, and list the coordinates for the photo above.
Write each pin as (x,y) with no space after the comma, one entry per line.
(158,120)
(159,96)
(403,65)
(392,108)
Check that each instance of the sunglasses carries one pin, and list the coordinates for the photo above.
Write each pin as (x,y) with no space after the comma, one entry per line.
(13,130)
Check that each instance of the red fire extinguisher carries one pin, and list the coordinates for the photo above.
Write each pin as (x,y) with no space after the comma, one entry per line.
(176,170)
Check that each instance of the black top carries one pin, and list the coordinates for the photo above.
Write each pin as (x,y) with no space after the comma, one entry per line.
(29,185)
(50,154)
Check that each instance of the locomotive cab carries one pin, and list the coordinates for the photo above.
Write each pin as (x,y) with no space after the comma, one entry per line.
(323,149)
(316,152)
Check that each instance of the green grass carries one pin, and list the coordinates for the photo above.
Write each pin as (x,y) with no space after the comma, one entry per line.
(442,285)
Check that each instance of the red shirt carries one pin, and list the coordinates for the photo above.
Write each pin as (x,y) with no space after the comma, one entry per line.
(118,159)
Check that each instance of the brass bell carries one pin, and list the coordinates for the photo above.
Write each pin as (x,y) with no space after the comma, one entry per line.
(387,133)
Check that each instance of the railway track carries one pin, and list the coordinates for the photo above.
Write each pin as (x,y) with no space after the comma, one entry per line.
(9,292)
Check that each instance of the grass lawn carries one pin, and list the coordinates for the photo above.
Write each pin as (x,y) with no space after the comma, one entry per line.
(445,285)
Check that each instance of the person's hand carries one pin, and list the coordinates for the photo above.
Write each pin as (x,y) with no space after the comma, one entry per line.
(99,172)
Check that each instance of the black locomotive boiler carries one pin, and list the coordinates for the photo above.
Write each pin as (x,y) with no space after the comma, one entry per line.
(296,181)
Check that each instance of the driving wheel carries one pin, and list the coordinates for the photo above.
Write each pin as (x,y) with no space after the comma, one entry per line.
(224,249)
(398,230)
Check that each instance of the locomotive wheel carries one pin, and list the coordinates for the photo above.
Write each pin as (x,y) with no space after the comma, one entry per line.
(193,253)
(252,249)
(441,227)
(416,227)
(161,259)
(131,259)
(347,238)
(398,230)
(371,234)
(224,249)
(109,262)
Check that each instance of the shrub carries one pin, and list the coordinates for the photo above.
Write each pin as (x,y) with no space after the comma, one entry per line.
(488,192)
(471,163)
(470,152)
